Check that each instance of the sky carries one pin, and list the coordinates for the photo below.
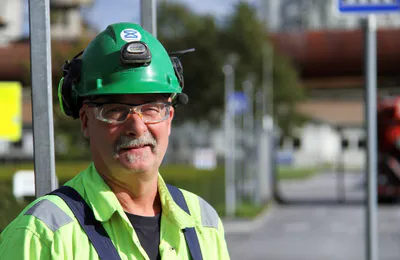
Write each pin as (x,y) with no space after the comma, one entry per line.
(105,12)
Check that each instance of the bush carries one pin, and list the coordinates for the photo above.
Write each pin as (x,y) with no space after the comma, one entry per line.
(210,185)
(207,184)
(9,206)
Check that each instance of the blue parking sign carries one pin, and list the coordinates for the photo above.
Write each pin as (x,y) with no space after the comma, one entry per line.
(369,6)
(238,102)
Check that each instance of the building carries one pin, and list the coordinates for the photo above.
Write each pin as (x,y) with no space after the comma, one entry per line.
(329,61)
(295,15)
(67,25)
(327,48)
(66,19)
(11,20)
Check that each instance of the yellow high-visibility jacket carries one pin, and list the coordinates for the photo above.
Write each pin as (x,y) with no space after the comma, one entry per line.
(47,229)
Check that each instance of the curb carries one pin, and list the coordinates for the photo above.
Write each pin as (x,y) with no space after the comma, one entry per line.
(232,226)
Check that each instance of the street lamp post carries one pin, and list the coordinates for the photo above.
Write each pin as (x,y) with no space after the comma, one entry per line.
(42,112)
(229,125)
(148,16)
(248,125)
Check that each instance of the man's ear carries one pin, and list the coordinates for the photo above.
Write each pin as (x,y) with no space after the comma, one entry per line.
(172,113)
(171,117)
(84,122)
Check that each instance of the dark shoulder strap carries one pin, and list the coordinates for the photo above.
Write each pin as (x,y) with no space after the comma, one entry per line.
(93,228)
(192,240)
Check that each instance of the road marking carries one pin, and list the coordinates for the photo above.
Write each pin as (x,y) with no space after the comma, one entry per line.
(342,227)
(321,212)
(297,227)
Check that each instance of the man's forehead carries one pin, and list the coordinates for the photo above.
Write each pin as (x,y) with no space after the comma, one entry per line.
(132,98)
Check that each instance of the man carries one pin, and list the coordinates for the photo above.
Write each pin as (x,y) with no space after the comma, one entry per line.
(123,90)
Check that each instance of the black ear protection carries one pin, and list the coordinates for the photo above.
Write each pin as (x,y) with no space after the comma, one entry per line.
(180,98)
(69,101)
(132,54)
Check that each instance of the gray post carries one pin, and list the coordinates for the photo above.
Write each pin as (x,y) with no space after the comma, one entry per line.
(230,190)
(148,16)
(248,122)
(42,112)
(340,172)
(371,124)
(267,166)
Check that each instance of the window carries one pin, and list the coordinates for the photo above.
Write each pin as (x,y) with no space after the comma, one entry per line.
(296,143)
(17,144)
(362,143)
(345,143)
(281,141)
(59,17)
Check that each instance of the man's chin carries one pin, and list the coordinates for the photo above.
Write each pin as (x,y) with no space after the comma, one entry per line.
(136,166)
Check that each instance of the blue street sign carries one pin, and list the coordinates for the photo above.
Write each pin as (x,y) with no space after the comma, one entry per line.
(238,102)
(369,6)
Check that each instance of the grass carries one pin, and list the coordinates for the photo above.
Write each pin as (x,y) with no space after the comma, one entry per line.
(9,206)
(249,211)
(66,170)
(208,184)
(291,173)
(246,210)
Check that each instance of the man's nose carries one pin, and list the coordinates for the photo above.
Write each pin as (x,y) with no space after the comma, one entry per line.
(134,125)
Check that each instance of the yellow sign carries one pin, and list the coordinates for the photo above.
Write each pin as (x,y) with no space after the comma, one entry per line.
(10,111)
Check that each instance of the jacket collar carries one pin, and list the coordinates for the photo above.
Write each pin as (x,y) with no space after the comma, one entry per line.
(104,203)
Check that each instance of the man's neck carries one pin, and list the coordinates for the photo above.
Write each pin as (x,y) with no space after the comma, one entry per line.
(136,195)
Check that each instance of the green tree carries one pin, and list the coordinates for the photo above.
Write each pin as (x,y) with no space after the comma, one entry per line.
(241,33)
(178,29)
(67,129)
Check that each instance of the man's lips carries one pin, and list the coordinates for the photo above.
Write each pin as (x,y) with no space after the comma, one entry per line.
(135,147)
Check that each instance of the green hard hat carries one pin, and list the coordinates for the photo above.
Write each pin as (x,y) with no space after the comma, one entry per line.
(102,71)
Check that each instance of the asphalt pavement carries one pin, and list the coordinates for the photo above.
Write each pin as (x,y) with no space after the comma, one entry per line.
(308,231)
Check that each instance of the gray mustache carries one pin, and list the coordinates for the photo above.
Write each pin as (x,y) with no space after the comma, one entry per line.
(127,141)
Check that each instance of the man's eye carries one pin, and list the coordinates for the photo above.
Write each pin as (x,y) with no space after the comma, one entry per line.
(117,109)
(153,109)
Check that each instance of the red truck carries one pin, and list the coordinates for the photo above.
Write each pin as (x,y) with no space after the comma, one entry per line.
(388,123)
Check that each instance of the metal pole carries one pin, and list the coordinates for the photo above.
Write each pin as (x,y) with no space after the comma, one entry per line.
(340,172)
(42,112)
(248,122)
(371,124)
(148,16)
(230,190)
(266,178)
(267,66)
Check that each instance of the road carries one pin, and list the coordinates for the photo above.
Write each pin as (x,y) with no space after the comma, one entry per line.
(318,231)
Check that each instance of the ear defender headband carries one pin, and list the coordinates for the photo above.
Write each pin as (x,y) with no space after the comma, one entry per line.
(132,54)
(66,95)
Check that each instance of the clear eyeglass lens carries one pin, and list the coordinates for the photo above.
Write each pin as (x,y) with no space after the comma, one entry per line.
(117,113)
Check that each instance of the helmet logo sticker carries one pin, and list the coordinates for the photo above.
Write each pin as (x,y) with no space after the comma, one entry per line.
(130,35)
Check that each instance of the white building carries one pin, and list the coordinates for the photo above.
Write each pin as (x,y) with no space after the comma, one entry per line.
(66,20)
(66,24)
(11,20)
(322,144)
(287,15)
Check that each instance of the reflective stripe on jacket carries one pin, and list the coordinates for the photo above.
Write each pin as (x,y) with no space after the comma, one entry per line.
(47,229)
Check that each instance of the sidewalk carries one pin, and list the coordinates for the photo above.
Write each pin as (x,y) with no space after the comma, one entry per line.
(238,226)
